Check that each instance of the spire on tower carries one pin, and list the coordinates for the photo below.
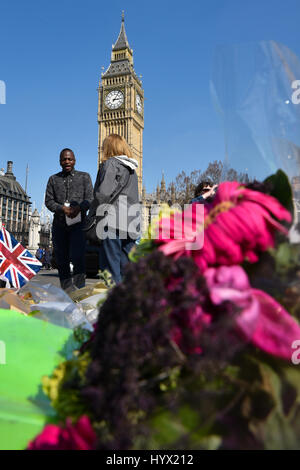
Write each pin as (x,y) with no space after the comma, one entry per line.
(173,193)
(122,41)
(163,184)
(157,193)
(121,56)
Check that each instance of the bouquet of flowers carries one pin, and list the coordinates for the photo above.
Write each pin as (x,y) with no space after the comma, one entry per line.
(196,348)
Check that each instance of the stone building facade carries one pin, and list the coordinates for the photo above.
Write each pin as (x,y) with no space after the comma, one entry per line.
(14,205)
(152,202)
(121,102)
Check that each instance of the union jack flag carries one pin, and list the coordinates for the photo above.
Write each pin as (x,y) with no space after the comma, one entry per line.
(16,263)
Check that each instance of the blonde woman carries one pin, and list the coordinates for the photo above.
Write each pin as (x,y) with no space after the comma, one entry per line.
(116,194)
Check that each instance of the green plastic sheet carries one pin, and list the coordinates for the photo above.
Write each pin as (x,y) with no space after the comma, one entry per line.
(29,349)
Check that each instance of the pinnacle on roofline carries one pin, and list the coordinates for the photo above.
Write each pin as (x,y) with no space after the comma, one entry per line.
(122,41)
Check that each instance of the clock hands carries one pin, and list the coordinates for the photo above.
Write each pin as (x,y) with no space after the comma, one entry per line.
(114,99)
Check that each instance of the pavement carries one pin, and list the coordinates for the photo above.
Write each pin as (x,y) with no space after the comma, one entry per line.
(46,276)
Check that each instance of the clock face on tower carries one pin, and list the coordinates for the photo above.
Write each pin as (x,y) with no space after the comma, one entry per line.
(114,99)
(139,105)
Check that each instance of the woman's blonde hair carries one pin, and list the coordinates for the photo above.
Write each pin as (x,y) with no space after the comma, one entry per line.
(114,145)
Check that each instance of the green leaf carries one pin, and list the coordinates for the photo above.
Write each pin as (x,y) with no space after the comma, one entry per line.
(144,248)
(281,190)
(33,312)
(269,418)
(286,256)
(167,429)
(183,429)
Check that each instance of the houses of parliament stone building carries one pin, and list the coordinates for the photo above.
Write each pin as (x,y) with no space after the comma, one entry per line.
(121,101)
(14,205)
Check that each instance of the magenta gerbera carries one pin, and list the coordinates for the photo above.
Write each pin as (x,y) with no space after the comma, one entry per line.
(238,225)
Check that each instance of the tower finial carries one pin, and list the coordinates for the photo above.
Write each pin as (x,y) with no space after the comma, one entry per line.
(163,184)
(123,16)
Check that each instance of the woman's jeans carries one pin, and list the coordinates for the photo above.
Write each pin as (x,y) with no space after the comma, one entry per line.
(114,256)
(69,246)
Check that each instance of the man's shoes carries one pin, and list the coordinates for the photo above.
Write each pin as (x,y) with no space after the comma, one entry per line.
(67,285)
(79,280)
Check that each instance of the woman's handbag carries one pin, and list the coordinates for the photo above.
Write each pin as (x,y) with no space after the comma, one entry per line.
(91,221)
(89,229)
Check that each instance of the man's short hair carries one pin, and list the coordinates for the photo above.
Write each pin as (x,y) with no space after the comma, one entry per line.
(66,150)
(199,190)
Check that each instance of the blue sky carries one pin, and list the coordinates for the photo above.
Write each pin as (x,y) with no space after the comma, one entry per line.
(51,58)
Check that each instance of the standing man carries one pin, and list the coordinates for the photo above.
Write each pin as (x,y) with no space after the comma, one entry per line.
(69,194)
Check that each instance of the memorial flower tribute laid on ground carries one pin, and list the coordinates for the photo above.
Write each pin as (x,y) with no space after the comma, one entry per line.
(194,349)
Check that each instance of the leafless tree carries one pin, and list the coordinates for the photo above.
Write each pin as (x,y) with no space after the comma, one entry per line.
(185,184)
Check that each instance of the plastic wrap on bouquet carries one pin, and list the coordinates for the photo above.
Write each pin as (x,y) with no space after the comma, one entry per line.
(91,305)
(52,304)
(30,349)
(254,87)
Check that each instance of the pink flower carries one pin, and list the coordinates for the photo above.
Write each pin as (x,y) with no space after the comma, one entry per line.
(181,231)
(262,320)
(80,436)
(238,225)
(259,319)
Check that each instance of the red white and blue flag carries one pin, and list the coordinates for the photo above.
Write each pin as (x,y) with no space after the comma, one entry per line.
(16,263)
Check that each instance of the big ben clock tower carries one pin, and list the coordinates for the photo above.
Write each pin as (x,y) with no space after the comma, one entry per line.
(121,102)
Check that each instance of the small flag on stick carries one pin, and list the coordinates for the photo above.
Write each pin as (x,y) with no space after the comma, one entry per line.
(16,262)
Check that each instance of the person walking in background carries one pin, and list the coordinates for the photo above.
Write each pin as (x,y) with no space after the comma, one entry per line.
(69,194)
(39,253)
(204,192)
(47,259)
(42,260)
(117,185)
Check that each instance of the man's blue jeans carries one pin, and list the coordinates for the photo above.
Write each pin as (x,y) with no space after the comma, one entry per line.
(114,256)
(69,246)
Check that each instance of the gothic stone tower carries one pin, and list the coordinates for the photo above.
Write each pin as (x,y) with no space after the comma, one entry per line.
(121,102)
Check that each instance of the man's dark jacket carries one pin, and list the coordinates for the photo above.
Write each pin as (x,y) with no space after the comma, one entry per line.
(75,187)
